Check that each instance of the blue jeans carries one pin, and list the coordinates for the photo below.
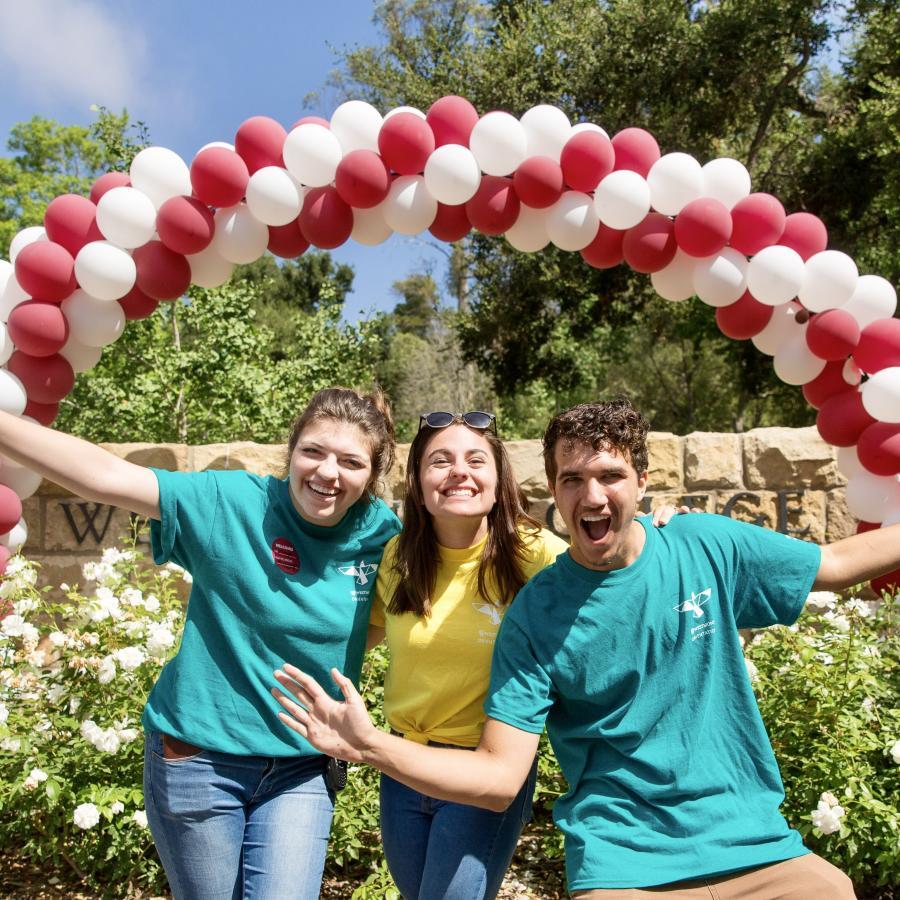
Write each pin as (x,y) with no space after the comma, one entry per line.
(437,850)
(230,827)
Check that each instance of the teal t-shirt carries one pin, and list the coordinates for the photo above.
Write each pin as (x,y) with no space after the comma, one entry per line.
(269,587)
(639,676)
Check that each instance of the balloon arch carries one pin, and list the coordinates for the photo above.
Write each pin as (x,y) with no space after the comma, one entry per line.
(143,237)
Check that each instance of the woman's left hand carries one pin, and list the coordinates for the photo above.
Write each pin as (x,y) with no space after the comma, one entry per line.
(665,514)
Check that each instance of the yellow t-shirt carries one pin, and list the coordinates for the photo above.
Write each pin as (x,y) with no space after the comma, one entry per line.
(440,665)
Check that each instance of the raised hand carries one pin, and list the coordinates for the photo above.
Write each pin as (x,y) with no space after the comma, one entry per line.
(664,514)
(340,729)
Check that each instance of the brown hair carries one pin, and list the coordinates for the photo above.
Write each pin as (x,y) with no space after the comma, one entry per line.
(371,413)
(604,425)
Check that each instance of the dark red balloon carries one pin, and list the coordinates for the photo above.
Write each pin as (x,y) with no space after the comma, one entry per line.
(703,227)
(886,584)
(137,305)
(878,347)
(259,142)
(826,384)
(842,419)
(605,250)
(219,177)
(161,273)
(745,318)
(878,448)
(287,241)
(758,222)
(71,222)
(46,271)
(832,334)
(106,183)
(586,159)
(325,220)
(636,150)
(539,182)
(38,328)
(451,223)
(10,509)
(405,142)
(451,119)
(362,179)
(45,413)
(185,225)
(46,379)
(495,206)
(650,245)
(804,233)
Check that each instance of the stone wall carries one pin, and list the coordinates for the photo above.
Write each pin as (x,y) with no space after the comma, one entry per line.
(780,478)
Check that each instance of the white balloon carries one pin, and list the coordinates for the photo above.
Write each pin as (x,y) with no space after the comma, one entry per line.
(622,199)
(452,174)
(871,497)
(161,174)
(208,269)
(529,232)
(572,221)
(881,395)
(892,517)
(13,540)
(105,271)
(91,321)
(10,297)
(312,153)
(25,237)
(676,281)
(720,280)
(6,272)
(369,227)
(675,179)
(409,208)
(726,180)
(587,126)
(547,129)
(13,398)
(126,216)
(356,125)
(223,144)
(829,280)
(273,196)
(775,274)
(404,109)
(81,357)
(23,481)
(239,237)
(6,345)
(499,143)
(848,461)
(874,298)
(782,326)
(795,363)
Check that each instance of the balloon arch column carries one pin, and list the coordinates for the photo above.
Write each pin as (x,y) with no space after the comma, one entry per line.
(142,238)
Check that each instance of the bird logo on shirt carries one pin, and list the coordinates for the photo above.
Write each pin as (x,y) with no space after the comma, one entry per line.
(491,611)
(695,603)
(361,572)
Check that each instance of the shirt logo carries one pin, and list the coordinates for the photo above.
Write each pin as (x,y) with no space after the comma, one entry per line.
(361,572)
(284,555)
(694,604)
(491,611)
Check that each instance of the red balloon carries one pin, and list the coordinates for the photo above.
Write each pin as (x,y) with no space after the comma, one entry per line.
(259,142)
(137,305)
(878,448)
(71,222)
(45,413)
(832,334)
(842,419)
(495,206)
(451,223)
(889,584)
(650,245)
(743,319)
(311,120)
(106,183)
(362,179)
(46,379)
(46,271)
(703,227)
(219,177)
(325,219)
(185,224)
(878,347)
(758,222)
(161,273)
(287,241)
(10,509)
(636,150)
(804,233)
(538,182)
(38,328)
(451,120)
(405,142)
(826,384)
(605,250)
(586,159)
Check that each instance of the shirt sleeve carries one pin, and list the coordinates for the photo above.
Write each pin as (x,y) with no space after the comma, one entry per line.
(188,502)
(542,549)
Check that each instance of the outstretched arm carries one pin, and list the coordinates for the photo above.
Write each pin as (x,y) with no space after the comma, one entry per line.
(79,466)
(489,776)
(858,558)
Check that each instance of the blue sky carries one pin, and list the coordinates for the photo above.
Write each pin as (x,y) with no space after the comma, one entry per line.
(193,70)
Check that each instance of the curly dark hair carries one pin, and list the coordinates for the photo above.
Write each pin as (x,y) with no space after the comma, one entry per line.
(604,425)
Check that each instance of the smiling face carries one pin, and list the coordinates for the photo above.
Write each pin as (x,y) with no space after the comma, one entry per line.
(329,470)
(597,493)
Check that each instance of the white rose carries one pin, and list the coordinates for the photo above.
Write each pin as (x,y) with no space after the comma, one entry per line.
(35,658)
(89,730)
(56,693)
(117,807)
(11,745)
(827,818)
(4,712)
(107,741)
(159,639)
(752,671)
(130,658)
(822,600)
(57,638)
(25,606)
(895,752)
(12,625)
(140,818)
(86,815)
(35,777)
(830,799)
(30,634)
(132,596)
(126,735)
(107,671)
(187,578)
(151,603)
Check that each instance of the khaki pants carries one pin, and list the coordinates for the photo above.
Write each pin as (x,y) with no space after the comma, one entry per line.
(804,878)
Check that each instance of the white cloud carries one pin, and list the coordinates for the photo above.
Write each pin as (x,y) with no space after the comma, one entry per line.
(72,49)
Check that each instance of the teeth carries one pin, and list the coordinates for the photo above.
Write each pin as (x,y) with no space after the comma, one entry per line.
(460,493)
(327,492)
(594,518)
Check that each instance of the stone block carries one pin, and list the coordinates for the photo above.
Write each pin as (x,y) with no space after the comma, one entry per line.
(528,464)
(755,507)
(839,521)
(666,465)
(31,513)
(705,501)
(712,461)
(173,457)
(62,569)
(80,526)
(261,459)
(789,457)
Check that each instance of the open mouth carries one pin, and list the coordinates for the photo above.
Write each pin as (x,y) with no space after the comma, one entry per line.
(595,527)
(460,492)
(324,492)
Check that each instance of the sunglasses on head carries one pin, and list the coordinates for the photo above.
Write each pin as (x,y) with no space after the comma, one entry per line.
(480,421)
